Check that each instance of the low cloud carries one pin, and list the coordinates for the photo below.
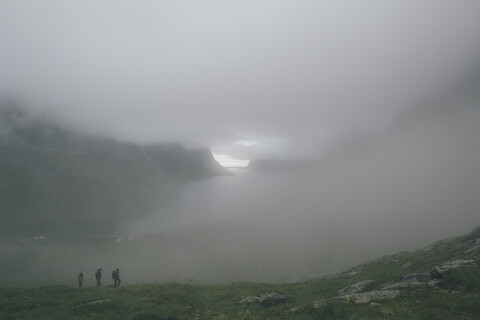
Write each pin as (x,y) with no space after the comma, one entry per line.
(307,74)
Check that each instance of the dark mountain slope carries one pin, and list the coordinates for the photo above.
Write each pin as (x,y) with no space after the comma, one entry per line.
(50,173)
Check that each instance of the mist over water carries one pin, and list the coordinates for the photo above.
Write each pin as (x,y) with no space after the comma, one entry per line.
(204,201)
(415,185)
(195,203)
(400,192)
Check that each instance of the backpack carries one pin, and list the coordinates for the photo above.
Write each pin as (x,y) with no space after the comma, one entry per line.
(114,276)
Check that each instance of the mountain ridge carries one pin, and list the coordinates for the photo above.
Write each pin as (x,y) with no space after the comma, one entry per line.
(49,173)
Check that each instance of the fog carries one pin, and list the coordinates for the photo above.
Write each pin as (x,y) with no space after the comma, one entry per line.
(381,98)
(402,191)
(295,77)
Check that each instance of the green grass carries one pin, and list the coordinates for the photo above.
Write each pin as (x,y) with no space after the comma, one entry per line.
(458,299)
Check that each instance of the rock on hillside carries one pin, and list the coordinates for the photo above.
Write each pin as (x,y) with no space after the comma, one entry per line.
(266,299)
(357,287)
(465,247)
(462,251)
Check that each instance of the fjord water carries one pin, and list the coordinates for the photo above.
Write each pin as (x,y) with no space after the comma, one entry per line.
(196,203)
(341,204)
(202,201)
(256,226)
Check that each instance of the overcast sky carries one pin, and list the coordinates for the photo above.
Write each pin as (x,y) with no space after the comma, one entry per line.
(247,79)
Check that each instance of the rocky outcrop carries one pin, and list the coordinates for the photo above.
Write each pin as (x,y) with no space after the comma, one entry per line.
(357,287)
(467,246)
(409,281)
(348,273)
(474,248)
(360,298)
(440,245)
(266,299)
(389,259)
(439,272)
(367,297)
(356,292)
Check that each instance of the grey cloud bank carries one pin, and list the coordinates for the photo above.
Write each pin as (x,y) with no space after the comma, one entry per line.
(385,96)
(297,77)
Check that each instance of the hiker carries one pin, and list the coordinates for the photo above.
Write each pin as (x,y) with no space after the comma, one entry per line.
(116,277)
(80,279)
(98,276)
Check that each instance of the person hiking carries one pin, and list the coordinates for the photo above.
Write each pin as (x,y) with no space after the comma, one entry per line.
(116,277)
(80,279)
(98,276)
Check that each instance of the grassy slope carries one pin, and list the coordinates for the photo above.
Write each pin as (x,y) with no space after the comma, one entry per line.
(458,300)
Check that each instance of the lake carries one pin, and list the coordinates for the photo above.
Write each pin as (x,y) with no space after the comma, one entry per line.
(198,202)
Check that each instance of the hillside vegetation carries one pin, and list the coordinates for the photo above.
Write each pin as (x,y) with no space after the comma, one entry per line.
(454,294)
(49,173)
